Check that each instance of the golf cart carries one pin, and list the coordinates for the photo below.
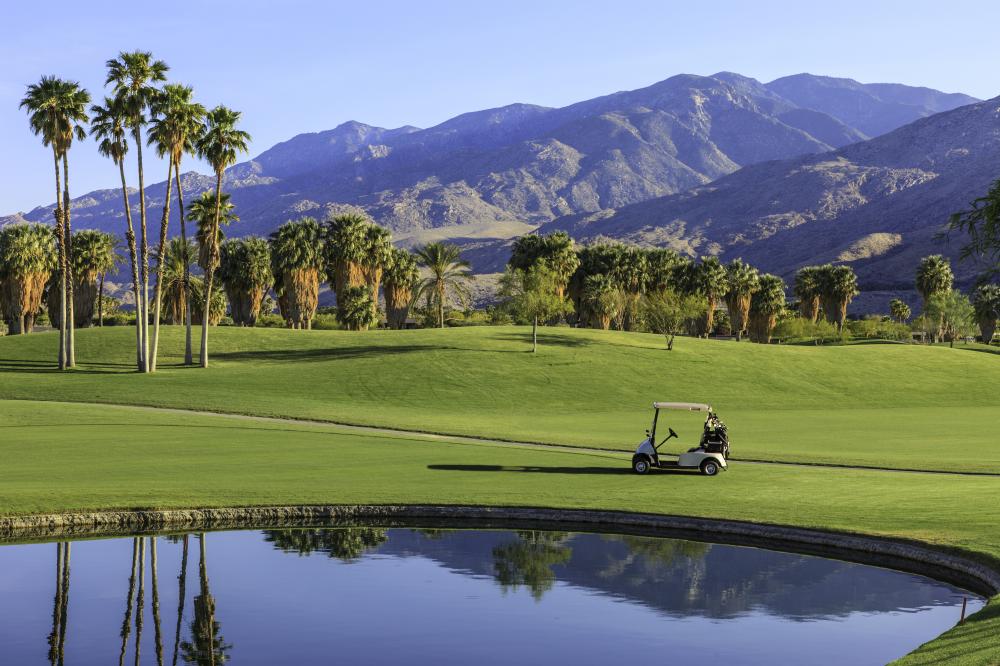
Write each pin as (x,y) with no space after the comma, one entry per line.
(709,456)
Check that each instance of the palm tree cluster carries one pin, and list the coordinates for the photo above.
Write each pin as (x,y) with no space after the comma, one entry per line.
(607,282)
(141,109)
(986,304)
(27,260)
(826,290)
(94,256)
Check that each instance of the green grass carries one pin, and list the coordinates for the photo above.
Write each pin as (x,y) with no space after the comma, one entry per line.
(889,405)
(115,457)
(892,405)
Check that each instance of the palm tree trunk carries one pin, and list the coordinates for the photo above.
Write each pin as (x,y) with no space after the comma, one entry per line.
(144,252)
(185,287)
(140,599)
(100,302)
(181,585)
(127,622)
(130,237)
(440,299)
(70,320)
(159,268)
(61,248)
(65,603)
(158,642)
(56,608)
(210,271)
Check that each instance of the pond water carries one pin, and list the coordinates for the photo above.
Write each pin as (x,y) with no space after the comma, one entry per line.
(430,596)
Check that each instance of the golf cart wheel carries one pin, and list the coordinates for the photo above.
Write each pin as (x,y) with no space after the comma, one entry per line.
(640,465)
(709,468)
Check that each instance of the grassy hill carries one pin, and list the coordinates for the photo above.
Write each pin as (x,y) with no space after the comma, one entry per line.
(885,405)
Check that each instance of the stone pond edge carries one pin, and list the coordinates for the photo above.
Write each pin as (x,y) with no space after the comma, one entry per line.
(907,555)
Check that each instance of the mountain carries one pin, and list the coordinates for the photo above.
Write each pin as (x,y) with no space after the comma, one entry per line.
(877,205)
(498,173)
(779,172)
(872,108)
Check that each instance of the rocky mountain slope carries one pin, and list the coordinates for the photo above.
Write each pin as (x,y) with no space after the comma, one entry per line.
(501,172)
(878,205)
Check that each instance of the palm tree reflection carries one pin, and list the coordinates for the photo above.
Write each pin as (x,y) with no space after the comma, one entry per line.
(207,646)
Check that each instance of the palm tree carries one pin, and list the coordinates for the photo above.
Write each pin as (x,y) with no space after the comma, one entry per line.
(158,636)
(934,276)
(218,304)
(601,295)
(245,272)
(665,269)
(838,286)
(378,254)
(346,247)
(27,258)
(743,281)
(127,622)
(93,255)
(297,257)
(899,310)
(108,127)
(806,289)
(631,274)
(219,144)
(557,250)
(57,110)
(175,273)
(765,306)
(181,595)
(207,645)
(202,213)
(448,273)
(133,77)
(355,308)
(401,276)
(986,302)
(710,279)
(176,123)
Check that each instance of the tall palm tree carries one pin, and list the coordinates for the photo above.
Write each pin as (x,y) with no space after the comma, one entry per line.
(53,639)
(448,272)
(176,271)
(346,246)
(899,310)
(94,254)
(133,77)
(807,290)
(986,303)
(400,277)
(765,306)
(27,258)
(219,144)
(245,273)
(743,281)
(157,634)
(710,279)
(297,259)
(177,121)
(108,127)
(631,274)
(207,645)
(140,599)
(838,286)
(601,296)
(57,112)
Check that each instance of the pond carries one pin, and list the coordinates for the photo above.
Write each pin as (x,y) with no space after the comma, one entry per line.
(371,595)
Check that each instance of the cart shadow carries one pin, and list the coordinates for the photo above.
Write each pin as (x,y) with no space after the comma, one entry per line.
(537,469)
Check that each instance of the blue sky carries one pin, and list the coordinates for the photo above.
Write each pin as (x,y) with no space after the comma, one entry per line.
(297,66)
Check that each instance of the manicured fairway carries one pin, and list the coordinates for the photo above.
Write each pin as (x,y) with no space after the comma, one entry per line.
(887,405)
(70,457)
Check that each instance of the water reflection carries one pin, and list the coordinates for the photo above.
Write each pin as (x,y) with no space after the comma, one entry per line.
(448,595)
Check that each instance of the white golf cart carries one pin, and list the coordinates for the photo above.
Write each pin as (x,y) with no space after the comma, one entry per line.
(709,456)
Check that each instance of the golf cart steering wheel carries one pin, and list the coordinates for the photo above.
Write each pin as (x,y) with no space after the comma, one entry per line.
(672,433)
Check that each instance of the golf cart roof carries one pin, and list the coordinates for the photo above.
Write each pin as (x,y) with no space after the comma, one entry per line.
(686,406)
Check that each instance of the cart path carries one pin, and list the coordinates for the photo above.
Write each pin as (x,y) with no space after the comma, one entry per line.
(347,428)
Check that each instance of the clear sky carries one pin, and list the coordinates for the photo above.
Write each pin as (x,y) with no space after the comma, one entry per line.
(296,66)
